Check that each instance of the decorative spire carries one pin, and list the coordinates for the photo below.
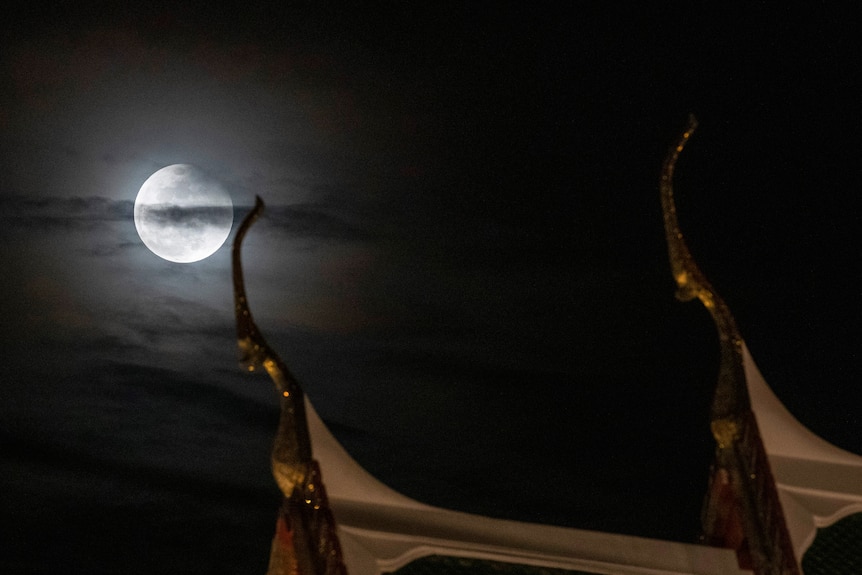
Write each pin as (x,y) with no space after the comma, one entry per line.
(305,542)
(742,509)
(731,396)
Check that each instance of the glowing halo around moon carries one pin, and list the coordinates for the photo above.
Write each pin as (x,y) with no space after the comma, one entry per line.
(182,214)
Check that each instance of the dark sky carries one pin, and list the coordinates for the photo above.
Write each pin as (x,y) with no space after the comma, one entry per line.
(462,259)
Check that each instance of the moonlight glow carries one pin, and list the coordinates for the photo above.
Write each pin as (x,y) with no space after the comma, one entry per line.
(183,215)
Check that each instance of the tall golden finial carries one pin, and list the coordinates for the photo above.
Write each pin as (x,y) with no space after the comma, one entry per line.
(742,509)
(305,542)
(731,397)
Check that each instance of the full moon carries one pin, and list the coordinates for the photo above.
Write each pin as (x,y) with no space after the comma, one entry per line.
(182,214)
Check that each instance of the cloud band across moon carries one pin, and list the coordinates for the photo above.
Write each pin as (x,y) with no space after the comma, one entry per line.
(190,217)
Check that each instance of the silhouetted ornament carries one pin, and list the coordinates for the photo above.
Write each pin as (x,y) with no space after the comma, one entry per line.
(305,542)
(742,509)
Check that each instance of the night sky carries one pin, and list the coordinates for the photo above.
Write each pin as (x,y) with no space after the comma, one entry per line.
(461,259)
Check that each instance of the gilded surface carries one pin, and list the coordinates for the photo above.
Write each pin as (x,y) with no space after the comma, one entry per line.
(291,453)
(305,542)
(731,396)
(751,504)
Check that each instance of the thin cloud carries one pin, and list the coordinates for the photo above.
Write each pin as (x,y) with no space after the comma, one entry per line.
(63,211)
(307,221)
(191,217)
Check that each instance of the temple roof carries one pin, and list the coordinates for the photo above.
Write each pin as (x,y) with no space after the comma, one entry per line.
(462,261)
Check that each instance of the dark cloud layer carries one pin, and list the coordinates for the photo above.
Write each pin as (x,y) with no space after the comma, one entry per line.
(309,221)
(191,217)
(137,517)
(68,210)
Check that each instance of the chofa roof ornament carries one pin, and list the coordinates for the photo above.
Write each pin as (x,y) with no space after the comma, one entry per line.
(742,508)
(305,542)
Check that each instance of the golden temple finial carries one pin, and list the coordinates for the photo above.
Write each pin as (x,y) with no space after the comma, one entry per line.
(305,542)
(292,451)
(731,397)
(742,509)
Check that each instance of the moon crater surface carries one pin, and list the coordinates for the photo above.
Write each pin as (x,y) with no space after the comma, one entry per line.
(182,214)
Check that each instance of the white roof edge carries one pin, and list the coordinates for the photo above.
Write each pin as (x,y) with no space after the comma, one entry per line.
(783,435)
(403,535)
(343,477)
(382,530)
(818,483)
